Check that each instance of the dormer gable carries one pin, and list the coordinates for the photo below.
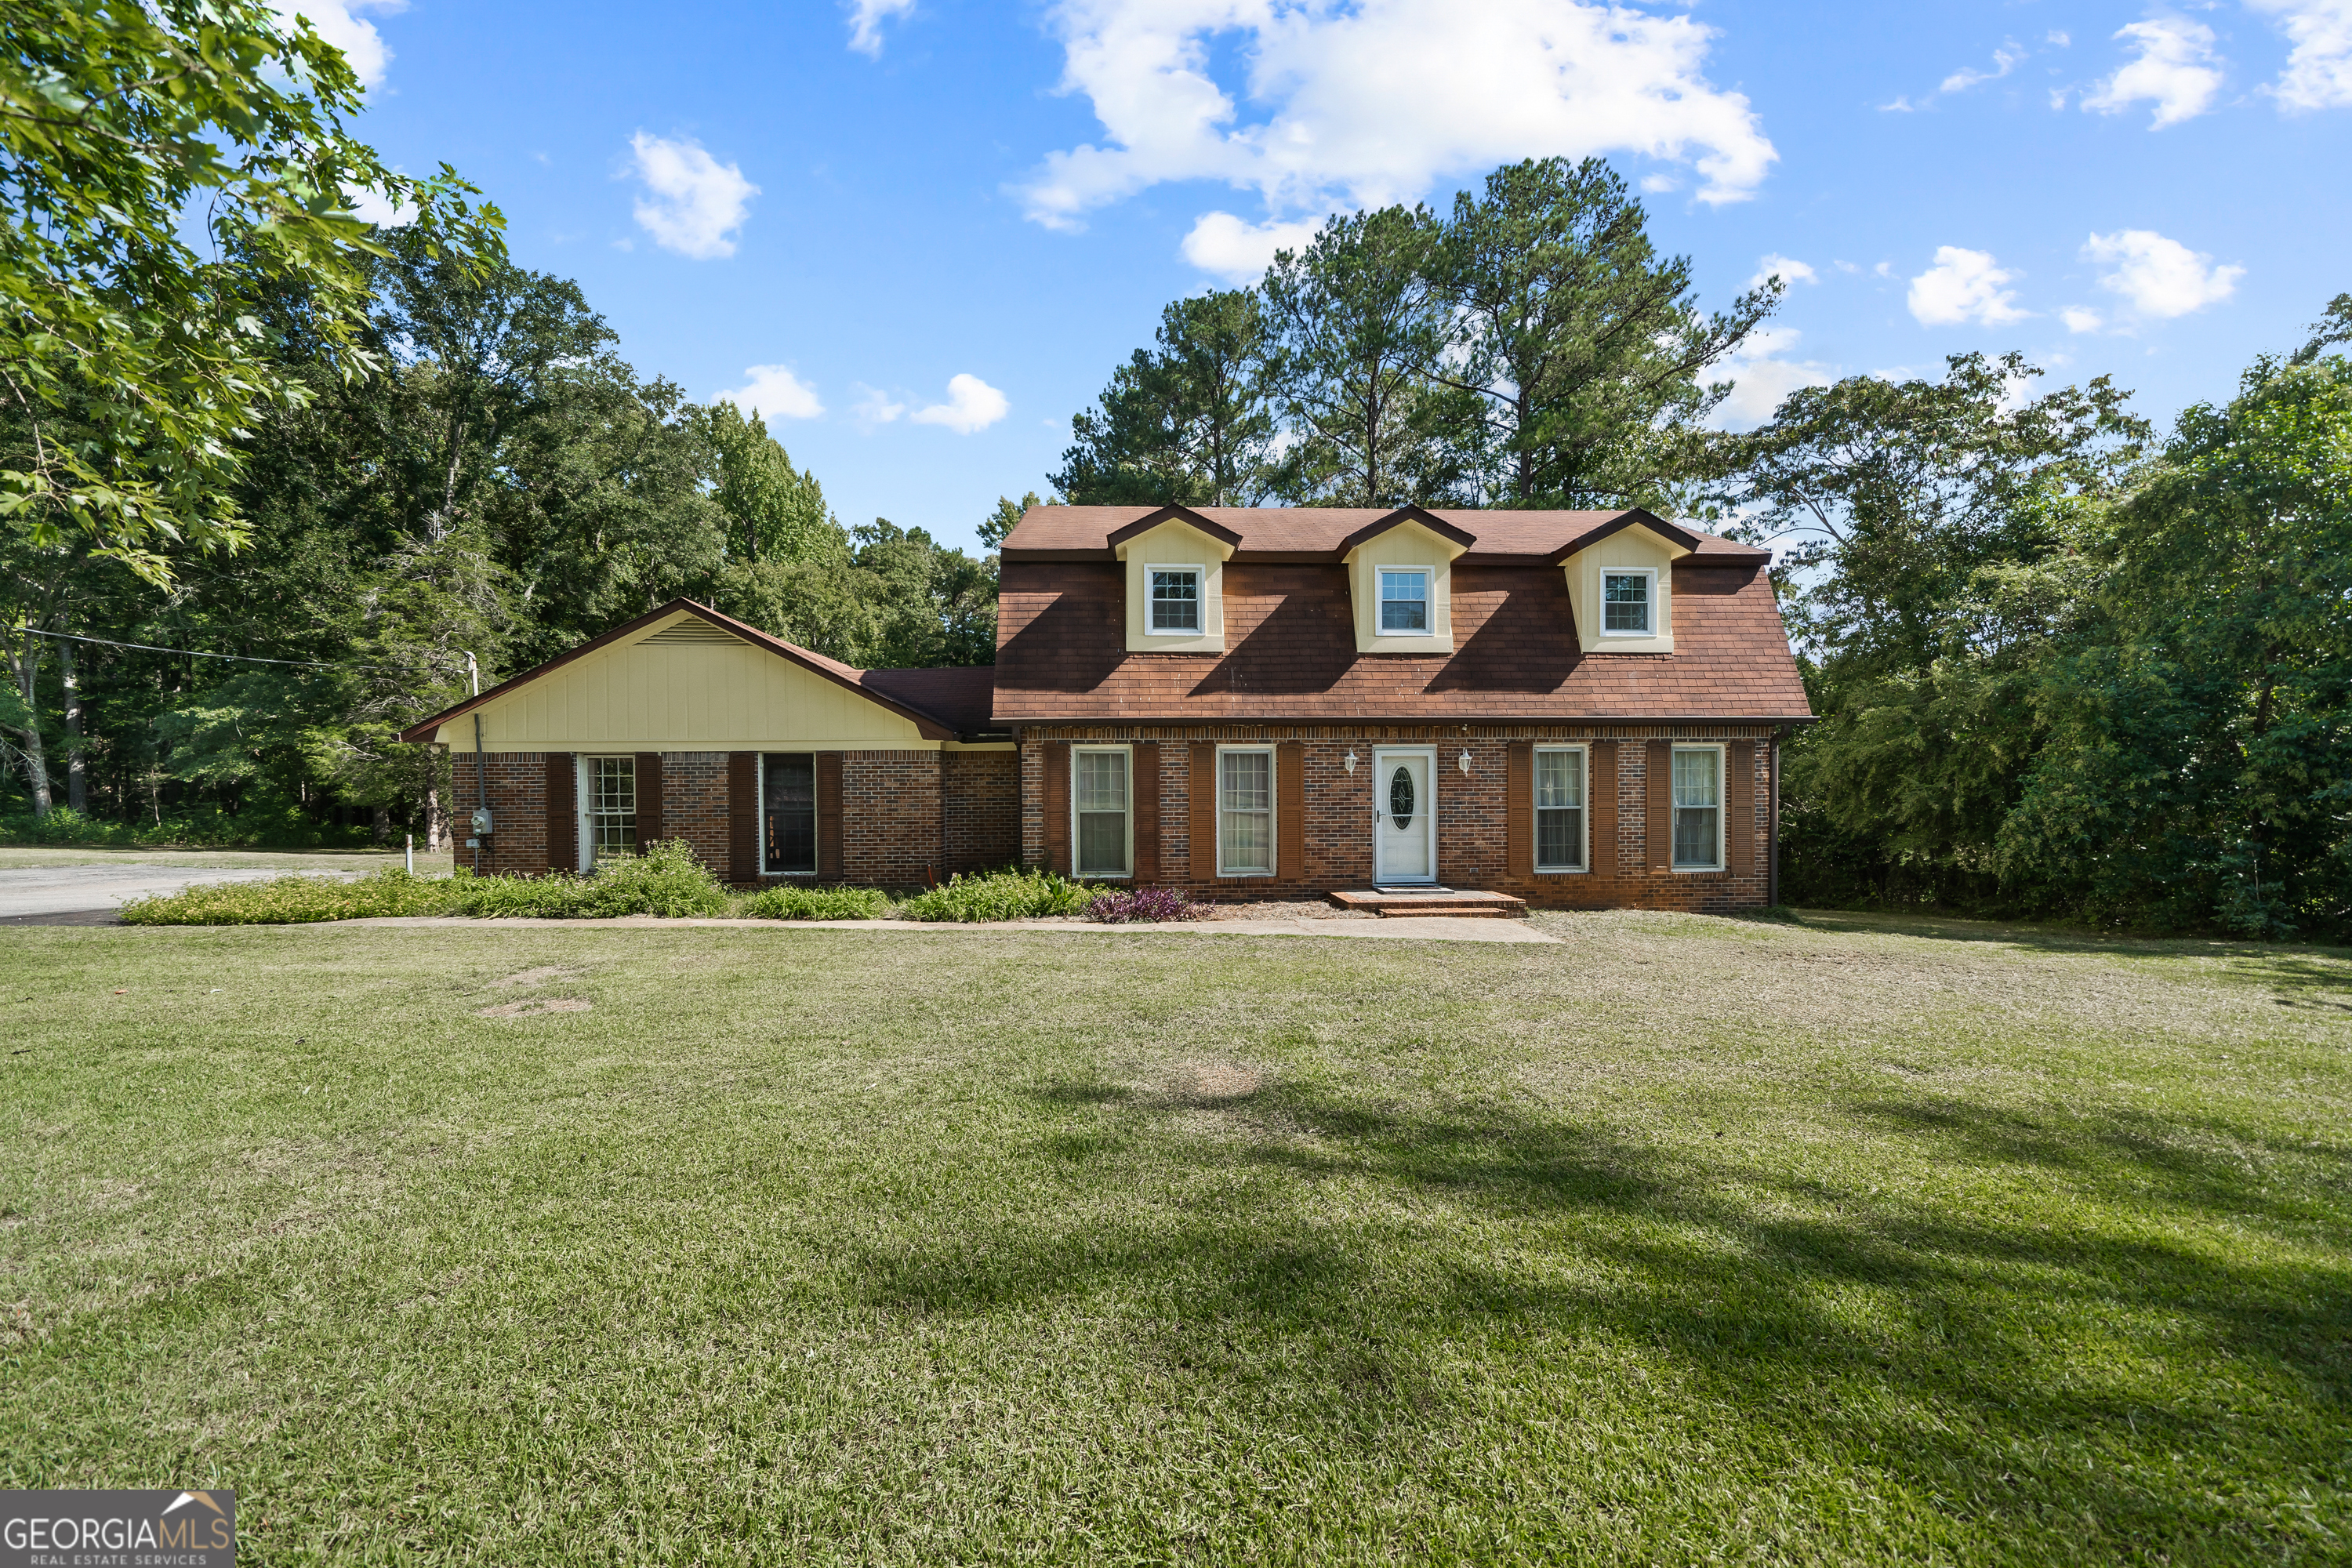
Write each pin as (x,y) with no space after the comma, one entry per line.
(1621,583)
(1174,566)
(1400,581)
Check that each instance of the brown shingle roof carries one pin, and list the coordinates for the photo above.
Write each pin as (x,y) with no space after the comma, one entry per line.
(1290,648)
(960,696)
(1060,530)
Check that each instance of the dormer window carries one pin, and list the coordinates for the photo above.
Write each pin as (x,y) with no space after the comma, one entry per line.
(1175,600)
(1625,602)
(1405,602)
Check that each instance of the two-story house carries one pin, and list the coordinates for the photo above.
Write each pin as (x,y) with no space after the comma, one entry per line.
(1576,709)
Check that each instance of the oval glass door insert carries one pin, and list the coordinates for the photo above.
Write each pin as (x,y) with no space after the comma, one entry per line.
(1401,801)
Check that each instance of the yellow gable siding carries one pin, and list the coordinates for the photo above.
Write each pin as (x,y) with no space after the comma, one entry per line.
(691,697)
(1629,547)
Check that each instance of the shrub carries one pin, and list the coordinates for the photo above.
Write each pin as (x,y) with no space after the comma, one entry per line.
(998,895)
(665,880)
(796,903)
(295,901)
(290,829)
(1121,905)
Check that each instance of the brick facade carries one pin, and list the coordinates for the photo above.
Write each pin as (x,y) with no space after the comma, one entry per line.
(890,819)
(980,806)
(906,816)
(1473,812)
(696,804)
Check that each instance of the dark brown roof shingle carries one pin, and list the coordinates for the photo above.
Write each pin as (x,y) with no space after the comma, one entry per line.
(1290,651)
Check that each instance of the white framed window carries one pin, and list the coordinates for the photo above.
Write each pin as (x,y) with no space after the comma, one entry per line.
(1698,808)
(788,814)
(608,809)
(1173,605)
(1244,811)
(1559,808)
(1101,824)
(1629,603)
(1405,600)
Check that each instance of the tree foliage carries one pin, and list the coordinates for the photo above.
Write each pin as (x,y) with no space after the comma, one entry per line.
(1186,422)
(134,362)
(1578,351)
(1532,350)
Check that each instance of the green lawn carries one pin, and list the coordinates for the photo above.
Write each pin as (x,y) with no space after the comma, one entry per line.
(1857,1241)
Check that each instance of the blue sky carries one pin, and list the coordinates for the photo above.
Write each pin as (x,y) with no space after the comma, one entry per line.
(920,233)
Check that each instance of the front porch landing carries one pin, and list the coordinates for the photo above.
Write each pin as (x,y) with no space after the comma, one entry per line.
(1391,902)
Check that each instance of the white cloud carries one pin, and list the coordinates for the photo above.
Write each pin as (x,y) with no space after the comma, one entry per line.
(2057,39)
(1761,377)
(866,18)
(1788,268)
(372,207)
(2160,277)
(2318,72)
(1964,286)
(2005,60)
(338,22)
(874,406)
(1241,252)
(2176,70)
(1375,102)
(694,202)
(773,392)
(2081,319)
(972,404)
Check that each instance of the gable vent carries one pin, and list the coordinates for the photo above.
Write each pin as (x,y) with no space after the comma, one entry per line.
(690,632)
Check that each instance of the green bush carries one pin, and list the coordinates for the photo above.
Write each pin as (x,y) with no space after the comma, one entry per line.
(795,904)
(999,896)
(295,901)
(284,827)
(665,880)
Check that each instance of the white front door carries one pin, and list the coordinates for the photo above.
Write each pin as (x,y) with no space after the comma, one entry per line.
(1404,834)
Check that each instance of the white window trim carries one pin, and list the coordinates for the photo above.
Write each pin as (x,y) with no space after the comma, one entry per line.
(1584,815)
(1129,857)
(1722,809)
(1428,576)
(1200,575)
(1272,813)
(762,820)
(583,800)
(1651,605)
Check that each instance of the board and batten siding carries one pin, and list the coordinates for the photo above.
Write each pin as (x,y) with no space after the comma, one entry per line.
(683,696)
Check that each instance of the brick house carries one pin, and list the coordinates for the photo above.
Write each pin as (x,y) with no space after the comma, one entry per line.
(1576,709)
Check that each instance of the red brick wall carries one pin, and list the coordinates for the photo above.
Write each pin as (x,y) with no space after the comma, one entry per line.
(890,819)
(696,804)
(517,802)
(1473,838)
(981,809)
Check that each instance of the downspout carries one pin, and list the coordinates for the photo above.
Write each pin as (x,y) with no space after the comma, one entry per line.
(481,790)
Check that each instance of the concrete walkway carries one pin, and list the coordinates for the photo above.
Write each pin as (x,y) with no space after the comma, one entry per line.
(1432,928)
(48,895)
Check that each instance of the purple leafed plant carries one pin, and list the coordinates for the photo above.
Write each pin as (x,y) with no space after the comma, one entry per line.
(1119,908)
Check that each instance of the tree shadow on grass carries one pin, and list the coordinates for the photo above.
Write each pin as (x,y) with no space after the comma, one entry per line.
(2017,1374)
(2062,939)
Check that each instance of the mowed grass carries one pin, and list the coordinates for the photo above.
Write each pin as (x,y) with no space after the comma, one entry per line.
(1688,1240)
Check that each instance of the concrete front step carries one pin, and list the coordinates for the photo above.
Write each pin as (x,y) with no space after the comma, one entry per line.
(1391,902)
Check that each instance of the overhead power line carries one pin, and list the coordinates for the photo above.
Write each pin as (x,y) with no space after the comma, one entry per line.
(197,653)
